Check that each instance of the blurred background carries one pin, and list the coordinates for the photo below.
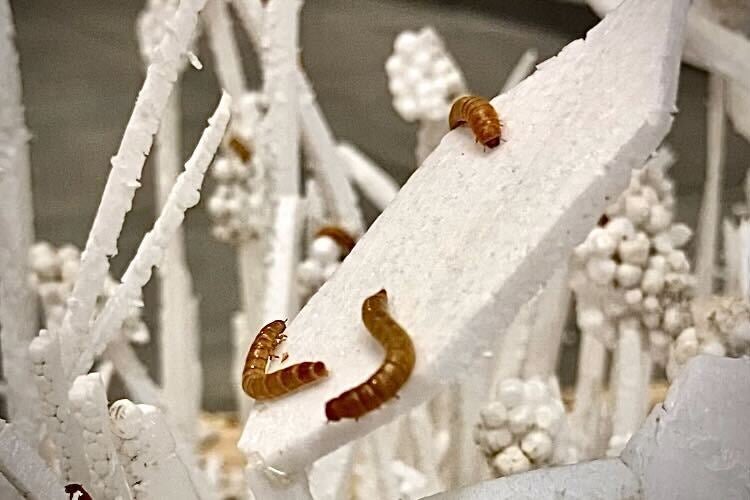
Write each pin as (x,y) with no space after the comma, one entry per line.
(82,70)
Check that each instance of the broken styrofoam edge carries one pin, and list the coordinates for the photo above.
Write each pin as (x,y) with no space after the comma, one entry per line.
(24,468)
(330,477)
(376,184)
(184,194)
(227,60)
(474,232)
(708,44)
(123,180)
(610,479)
(18,311)
(696,445)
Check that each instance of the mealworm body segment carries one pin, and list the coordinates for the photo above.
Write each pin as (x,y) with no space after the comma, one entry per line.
(390,376)
(343,239)
(481,117)
(261,385)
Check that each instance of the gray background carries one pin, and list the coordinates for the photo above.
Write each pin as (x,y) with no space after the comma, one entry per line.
(82,70)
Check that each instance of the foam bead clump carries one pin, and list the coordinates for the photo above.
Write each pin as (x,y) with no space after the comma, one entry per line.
(54,271)
(422,77)
(632,265)
(518,431)
(722,328)
(239,206)
(324,257)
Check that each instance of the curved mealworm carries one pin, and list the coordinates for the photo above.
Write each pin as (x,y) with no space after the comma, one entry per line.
(241,149)
(343,239)
(479,114)
(73,488)
(392,374)
(261,385)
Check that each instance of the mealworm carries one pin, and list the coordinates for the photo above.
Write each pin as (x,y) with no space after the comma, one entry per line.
(343,239)
(392,374)
(479,114)
(261,385)
(241,149)
(73,488)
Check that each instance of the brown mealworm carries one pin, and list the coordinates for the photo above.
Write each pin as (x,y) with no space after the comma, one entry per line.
(392,374)
(479,114)
(261,385)
(241,149)
(343,239)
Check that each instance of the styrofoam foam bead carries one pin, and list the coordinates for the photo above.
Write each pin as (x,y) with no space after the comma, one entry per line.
(454,82)
(510,392)
(633,297)
(659,219)
(636,209)
(394,65)
(651,304)
(628,275)
(600,270)
(498,439)
(397,87)
(652,282)
(650,195)
(233,206)
(69,253)
(440,88)
(535,390)
(537,445)
(511,461)
(663,243)
(520,419)
(406,42)
(325,250)
(310,271)
(674,319)
(47,265)
(713,348)
(621,228)
(686,345)
(635,251)
(590,319)
(603,244)
(548,417)
(222,233)
(222,170)
(679,234)
(413,76)
(614,307)
(217,206)
(658,262)
(494,415)
(442,66)
(678,261)
(423,60)
(406,107)
(651,320)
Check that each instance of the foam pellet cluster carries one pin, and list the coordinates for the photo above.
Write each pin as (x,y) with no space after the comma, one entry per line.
(54,271)
(422,77)
(722,328)
(323,259)
(49,378)
(239,206)
(89,406)
(632,265)
(519,429)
